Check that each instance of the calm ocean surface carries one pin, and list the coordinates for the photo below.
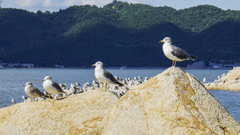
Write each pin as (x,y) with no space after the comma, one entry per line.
(12,80)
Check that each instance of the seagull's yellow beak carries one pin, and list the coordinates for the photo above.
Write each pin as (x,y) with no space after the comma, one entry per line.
(43,80)
(93,65)
(161,41)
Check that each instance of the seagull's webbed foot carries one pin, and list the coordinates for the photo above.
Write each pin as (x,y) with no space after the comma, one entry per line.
(50,100)
(104,88)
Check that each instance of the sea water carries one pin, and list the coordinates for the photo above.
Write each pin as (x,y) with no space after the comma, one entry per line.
(12,81)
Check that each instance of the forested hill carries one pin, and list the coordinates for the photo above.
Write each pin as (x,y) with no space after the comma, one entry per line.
(117,34)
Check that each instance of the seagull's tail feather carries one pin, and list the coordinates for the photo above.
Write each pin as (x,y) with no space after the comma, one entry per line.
(120,84)
(193,57)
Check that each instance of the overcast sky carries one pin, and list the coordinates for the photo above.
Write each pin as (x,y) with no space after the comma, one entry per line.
(55,5)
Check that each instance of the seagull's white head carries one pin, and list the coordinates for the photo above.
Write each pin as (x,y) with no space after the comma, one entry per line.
(47,78)
(98,64)
(28,84)
(166,40)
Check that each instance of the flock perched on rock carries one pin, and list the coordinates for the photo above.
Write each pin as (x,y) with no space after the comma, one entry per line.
(105,82)
(105,79)
(220,79)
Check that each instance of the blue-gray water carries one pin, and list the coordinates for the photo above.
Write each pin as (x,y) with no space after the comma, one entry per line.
(12,80)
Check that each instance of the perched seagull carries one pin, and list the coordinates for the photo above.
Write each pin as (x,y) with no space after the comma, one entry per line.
(24,98)
(32,91)
(78,84)
(103,75)
(52,87)
(13,101)
(174,53)
(204,79)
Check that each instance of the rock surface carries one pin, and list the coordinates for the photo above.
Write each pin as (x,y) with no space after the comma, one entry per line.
(229,81)
(78,114)
(173,102)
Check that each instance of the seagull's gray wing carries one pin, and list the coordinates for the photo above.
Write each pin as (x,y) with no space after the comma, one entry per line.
(37,92)
(56,86)
(179,53)
(111,78)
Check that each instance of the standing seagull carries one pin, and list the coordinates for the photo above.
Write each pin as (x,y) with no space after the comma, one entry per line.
(204,79)
(51,87)
(103,75)
(174,53)
(13,101)
(32,91)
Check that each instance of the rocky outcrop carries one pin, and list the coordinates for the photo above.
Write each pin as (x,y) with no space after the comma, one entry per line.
(173,102)
(229,81)
(78,114)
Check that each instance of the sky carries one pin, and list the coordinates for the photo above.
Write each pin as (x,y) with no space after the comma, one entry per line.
(55,5)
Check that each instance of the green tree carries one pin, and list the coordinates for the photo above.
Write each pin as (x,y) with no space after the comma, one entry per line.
(47,12)
(39,12)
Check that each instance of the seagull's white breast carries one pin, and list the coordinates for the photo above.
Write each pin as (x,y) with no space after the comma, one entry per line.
(99,75)
(167,52)
(29,92)
(47,85)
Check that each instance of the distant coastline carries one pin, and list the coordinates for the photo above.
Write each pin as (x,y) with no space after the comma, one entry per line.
(129,68)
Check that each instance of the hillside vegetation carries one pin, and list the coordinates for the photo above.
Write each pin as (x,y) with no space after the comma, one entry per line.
(117,34)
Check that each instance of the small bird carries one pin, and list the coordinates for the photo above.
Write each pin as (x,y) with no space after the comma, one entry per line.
(204,79)
(174,53)
(78,84)
(24,99)
(103,75)
(52,87)
(13,101)
(32,91)
(146,79)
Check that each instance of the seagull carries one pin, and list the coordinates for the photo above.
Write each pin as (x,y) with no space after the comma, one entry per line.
(24,98)
(174,53)
(32,91)
(52,87)
(103,75)
(78,84)
(204,79)
(13,101)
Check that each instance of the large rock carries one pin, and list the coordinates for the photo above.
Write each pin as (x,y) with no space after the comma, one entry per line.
(79,114)
(173,102)
(229,81)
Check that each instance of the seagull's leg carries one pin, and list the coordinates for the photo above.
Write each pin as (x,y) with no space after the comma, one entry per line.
(172,63)
(49,97)
(53,98)
(105,86)
(175,63)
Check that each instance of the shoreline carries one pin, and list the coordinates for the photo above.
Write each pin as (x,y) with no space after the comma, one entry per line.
(124,68)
